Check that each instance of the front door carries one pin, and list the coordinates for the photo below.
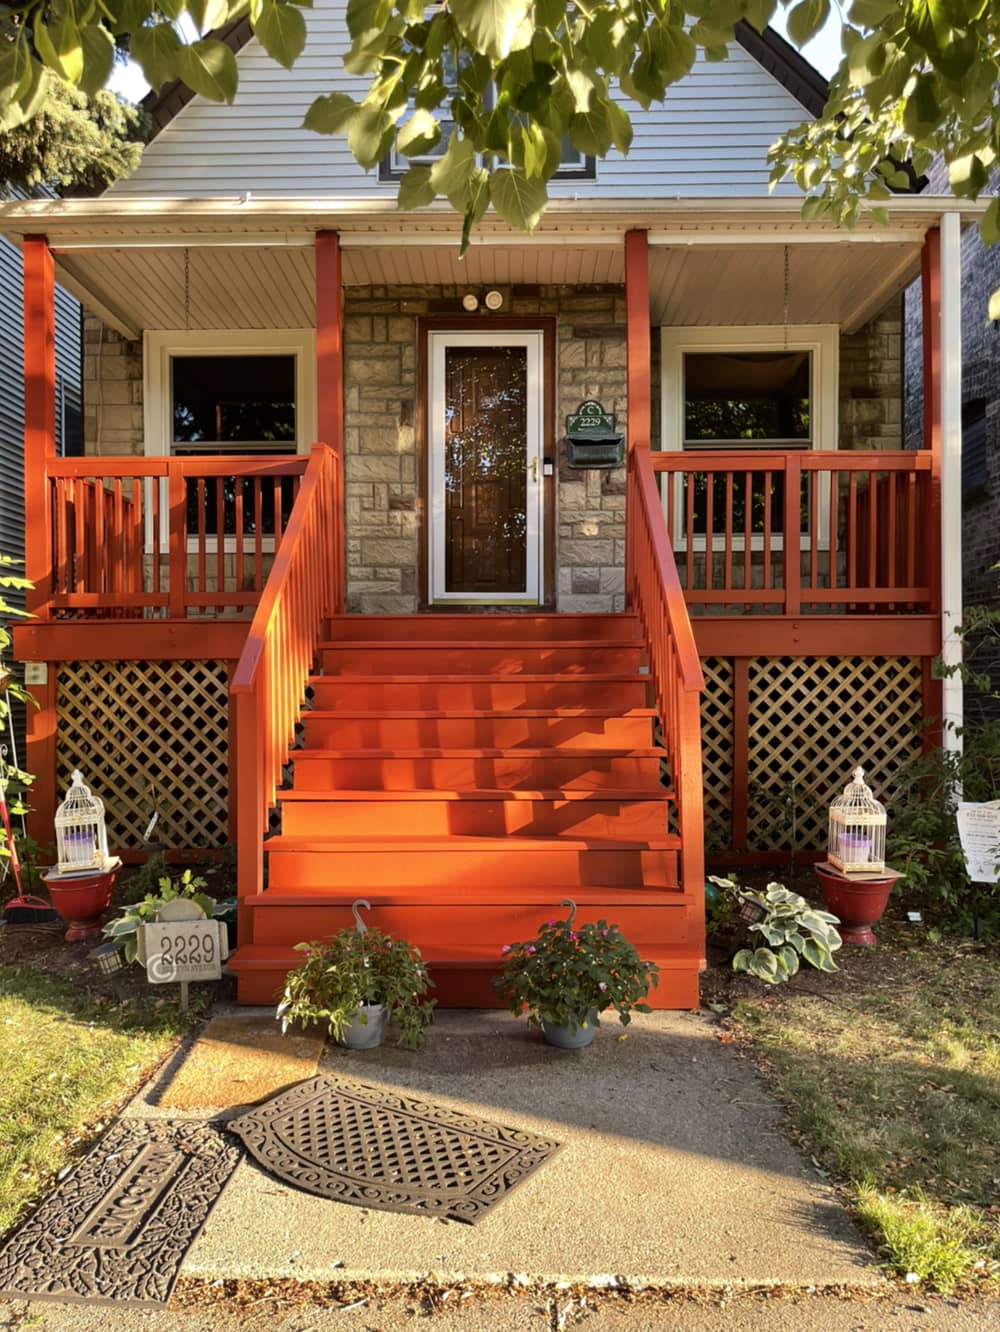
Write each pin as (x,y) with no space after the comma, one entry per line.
(485,424)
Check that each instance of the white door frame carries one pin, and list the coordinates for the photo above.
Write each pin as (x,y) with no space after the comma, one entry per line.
(533,342)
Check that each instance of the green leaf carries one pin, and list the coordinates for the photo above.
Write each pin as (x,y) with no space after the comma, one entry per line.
(156,48)
(418,135)
(989,223)
(369,134)
(66,38)
(98,57)
(922,111)
(591,133)
(806,19)
(742,960)
(281,31)
(415,189)
(967,175)
(330,115)
(209,67)
(494,27)
(518,200)
(534,151)
(452,173)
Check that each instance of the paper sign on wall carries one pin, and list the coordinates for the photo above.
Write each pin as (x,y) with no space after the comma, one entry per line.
(979,833)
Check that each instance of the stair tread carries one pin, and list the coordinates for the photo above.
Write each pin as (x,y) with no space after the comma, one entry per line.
(480,752)
(585,795)
(432,714)
(489,645)
(477,677)
(464,843)
(458,894)
(440,955)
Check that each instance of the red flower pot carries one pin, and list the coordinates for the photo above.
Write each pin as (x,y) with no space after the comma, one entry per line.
(857,903)
(81,900)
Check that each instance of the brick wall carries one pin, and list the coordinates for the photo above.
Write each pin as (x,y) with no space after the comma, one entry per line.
(112,391)
(871,382)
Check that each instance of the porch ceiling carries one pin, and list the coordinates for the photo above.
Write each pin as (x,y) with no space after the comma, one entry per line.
(841,283)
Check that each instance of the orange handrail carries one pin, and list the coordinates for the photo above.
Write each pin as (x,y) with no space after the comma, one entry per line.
(655,594)
(269,683)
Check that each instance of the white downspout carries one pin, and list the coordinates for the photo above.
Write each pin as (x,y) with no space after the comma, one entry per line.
(951,472)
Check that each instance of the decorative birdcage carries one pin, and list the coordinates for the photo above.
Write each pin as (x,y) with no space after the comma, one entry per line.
(81,838)
(856,837)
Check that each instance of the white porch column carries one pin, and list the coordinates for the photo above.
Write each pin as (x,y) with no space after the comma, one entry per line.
(951,471)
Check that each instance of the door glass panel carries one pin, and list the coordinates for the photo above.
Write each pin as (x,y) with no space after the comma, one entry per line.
(485,474)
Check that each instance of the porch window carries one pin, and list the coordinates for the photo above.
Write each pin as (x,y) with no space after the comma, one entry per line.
(732,399)
(244,392)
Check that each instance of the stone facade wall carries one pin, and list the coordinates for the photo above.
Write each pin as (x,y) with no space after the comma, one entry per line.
(112,391)
(382,486)
(871,382)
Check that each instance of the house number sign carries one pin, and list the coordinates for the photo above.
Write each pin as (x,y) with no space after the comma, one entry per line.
(184,950)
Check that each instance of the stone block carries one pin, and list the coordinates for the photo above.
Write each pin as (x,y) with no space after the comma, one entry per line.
(373,467)
(586,580)
(381,551)
(581,552)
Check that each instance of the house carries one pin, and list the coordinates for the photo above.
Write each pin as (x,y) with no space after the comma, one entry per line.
(441,659)
(68,346)
(980,480)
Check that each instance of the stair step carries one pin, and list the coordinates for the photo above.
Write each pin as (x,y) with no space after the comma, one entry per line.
(433,813)
(483,627)
(480,692)
(520,658)
(311,864)
(473,769)
(461,975)
(555,728)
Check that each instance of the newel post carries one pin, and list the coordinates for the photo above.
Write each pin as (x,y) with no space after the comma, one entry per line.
(638,379)
(39,448)
(330,379)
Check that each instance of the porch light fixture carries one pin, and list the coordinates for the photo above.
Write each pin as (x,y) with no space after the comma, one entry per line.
(493,300)
(856,836)
(81,837)
(470,302)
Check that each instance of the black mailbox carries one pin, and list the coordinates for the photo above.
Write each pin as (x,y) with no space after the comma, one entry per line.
(591,438)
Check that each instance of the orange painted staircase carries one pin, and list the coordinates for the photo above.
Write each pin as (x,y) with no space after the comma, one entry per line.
(465,773)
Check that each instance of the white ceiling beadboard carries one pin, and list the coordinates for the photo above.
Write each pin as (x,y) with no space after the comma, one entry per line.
(709,138)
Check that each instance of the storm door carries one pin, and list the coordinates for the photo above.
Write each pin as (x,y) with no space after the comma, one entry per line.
(485,418)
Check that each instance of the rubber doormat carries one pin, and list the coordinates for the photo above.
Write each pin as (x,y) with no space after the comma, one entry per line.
(386,1150)
(117,1229)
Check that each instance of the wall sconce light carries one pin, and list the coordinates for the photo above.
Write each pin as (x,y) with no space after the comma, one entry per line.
(470,302)
(493,300)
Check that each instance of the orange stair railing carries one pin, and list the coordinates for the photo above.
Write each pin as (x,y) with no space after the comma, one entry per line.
(655,594)
(268,687)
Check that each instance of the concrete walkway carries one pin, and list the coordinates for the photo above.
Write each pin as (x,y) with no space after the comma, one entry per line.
(674,1170)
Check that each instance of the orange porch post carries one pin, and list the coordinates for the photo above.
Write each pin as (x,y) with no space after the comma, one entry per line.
(637,344)
(39,448)
(930,291)
(330,373)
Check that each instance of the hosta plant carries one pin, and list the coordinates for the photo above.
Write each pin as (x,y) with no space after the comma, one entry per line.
(124,929)
(791,932)
(568,972)
(342,974)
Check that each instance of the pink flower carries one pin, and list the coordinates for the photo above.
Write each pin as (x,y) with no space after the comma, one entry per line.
(604,934)
(574,937)
(530,949)
(505,949)
(550,922)
(602,986)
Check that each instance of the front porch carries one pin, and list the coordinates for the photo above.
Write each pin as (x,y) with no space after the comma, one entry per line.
(189,594)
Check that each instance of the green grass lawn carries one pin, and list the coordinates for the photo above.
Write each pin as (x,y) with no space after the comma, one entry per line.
(891,1072)
(69,1059)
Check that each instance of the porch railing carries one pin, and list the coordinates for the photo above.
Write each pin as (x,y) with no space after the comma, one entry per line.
(177,537)
(654,592)
(797,532)
(269,683)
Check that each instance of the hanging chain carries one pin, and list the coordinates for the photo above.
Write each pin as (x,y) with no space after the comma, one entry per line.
(784,319)
(187,288)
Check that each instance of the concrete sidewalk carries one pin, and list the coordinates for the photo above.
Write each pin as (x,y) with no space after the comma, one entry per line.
(674,1170)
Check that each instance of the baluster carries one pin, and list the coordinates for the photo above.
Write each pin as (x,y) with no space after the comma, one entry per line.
(200,506)
(258,523)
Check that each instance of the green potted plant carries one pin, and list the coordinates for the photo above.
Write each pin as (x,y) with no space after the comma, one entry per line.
(356,982)
(569,974)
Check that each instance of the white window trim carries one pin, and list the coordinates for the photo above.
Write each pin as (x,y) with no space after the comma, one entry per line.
(822,341)
(159,347)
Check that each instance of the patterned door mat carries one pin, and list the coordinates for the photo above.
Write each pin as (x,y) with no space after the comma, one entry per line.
(387,1150)
(118,1227)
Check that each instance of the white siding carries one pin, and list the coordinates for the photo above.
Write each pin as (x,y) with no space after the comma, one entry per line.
(709,138)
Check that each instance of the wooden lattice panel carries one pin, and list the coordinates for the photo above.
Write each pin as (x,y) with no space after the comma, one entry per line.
(812,720)
(717,750)
(130,724)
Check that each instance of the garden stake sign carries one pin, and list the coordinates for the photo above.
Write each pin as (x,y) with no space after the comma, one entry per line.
(183,946)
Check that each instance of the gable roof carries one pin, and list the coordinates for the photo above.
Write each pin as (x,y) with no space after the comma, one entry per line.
(781,60)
